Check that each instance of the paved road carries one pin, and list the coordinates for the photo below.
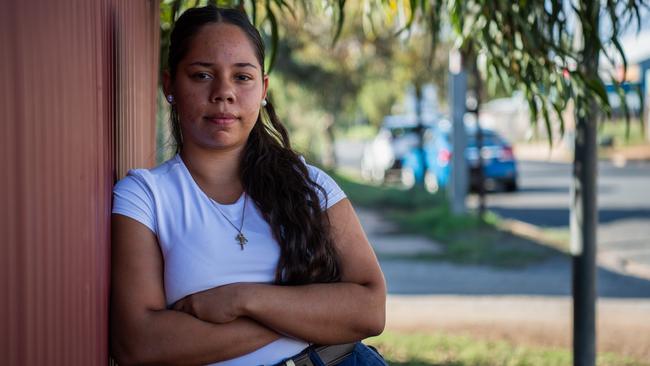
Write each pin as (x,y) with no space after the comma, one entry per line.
(623,200)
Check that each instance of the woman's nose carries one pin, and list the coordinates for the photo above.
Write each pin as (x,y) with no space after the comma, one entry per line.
(222,91)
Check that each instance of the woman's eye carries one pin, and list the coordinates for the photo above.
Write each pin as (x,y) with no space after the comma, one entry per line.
(201,76)
(243,77)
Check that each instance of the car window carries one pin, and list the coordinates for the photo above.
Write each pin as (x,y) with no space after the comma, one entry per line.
(401,131)
(488,139)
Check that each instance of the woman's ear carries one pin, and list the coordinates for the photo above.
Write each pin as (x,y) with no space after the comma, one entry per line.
(265,85)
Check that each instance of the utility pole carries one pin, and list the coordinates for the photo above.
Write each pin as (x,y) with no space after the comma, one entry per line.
(457,96)
(420,126)
(584,208)
(645,118)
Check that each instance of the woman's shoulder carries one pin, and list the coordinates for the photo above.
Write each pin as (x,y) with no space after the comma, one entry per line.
(157,173)
(315,171)
(331,192)
(317,174)
(139,192)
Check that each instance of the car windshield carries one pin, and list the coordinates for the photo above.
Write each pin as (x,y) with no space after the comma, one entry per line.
(398,132)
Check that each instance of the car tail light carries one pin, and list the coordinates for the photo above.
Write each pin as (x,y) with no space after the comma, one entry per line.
(506,153)
(444,156)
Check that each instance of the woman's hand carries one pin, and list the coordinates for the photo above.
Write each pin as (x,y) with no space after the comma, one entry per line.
(218,305)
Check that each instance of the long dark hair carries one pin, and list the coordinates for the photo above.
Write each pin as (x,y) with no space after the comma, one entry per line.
(273,175)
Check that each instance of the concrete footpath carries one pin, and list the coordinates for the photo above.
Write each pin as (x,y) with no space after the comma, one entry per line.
(525,306)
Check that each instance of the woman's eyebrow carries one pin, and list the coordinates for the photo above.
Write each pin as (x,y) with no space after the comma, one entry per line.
(245,64)
(201,63)
(210,64)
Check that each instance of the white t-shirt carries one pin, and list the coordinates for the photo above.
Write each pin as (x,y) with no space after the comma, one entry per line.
(198,244)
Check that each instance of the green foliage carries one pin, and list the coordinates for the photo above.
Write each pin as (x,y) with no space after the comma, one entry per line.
(358,133)
(301,113)
(355,59)
(534,47)
(263,14)
(320,86)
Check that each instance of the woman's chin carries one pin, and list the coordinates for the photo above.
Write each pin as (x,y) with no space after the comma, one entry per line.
(225,144)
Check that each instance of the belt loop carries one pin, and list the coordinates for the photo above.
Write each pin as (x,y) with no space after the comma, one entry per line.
(315,358)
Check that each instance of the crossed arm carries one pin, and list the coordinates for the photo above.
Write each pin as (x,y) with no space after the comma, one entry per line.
(233,320)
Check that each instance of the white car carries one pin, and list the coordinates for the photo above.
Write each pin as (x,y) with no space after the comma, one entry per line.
(382,156)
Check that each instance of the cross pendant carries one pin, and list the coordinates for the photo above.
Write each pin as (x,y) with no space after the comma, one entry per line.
(241,239)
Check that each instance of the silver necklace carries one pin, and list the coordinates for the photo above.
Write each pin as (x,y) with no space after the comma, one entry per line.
(241,239)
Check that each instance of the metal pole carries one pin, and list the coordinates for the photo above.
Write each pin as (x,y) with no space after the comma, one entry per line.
(584,209)
(479,135)
(645,118)
(420,127)
(584,219)
(457,95)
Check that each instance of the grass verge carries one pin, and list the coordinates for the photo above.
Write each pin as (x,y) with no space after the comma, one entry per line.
(425,349)
(467,239)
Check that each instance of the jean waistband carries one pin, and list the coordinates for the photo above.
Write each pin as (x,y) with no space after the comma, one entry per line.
(329,355)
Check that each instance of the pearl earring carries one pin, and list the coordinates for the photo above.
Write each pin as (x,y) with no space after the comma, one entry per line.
(264,102)
(170,98)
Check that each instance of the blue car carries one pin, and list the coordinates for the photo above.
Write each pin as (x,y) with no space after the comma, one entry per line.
(499,165)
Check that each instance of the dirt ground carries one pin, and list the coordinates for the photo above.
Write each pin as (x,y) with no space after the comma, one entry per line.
(623,324)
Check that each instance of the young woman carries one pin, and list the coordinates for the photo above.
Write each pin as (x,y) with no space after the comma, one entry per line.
(235,251)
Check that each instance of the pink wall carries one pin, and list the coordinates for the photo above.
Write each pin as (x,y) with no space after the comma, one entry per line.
(77,108)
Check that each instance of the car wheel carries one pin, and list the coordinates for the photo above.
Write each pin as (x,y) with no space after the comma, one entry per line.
(510,185)
(431,182)
(407,177)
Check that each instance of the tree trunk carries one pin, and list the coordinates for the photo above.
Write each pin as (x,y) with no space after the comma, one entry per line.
(584,212)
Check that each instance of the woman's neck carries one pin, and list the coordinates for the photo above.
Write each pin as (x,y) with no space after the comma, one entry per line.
(216,172)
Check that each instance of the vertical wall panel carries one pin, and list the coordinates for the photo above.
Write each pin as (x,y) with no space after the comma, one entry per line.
(137,81)
(77,108)
(10,311)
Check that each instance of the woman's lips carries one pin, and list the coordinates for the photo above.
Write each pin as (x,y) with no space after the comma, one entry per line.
(222,119)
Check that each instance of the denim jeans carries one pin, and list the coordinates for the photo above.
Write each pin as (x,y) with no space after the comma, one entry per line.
(362,355)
